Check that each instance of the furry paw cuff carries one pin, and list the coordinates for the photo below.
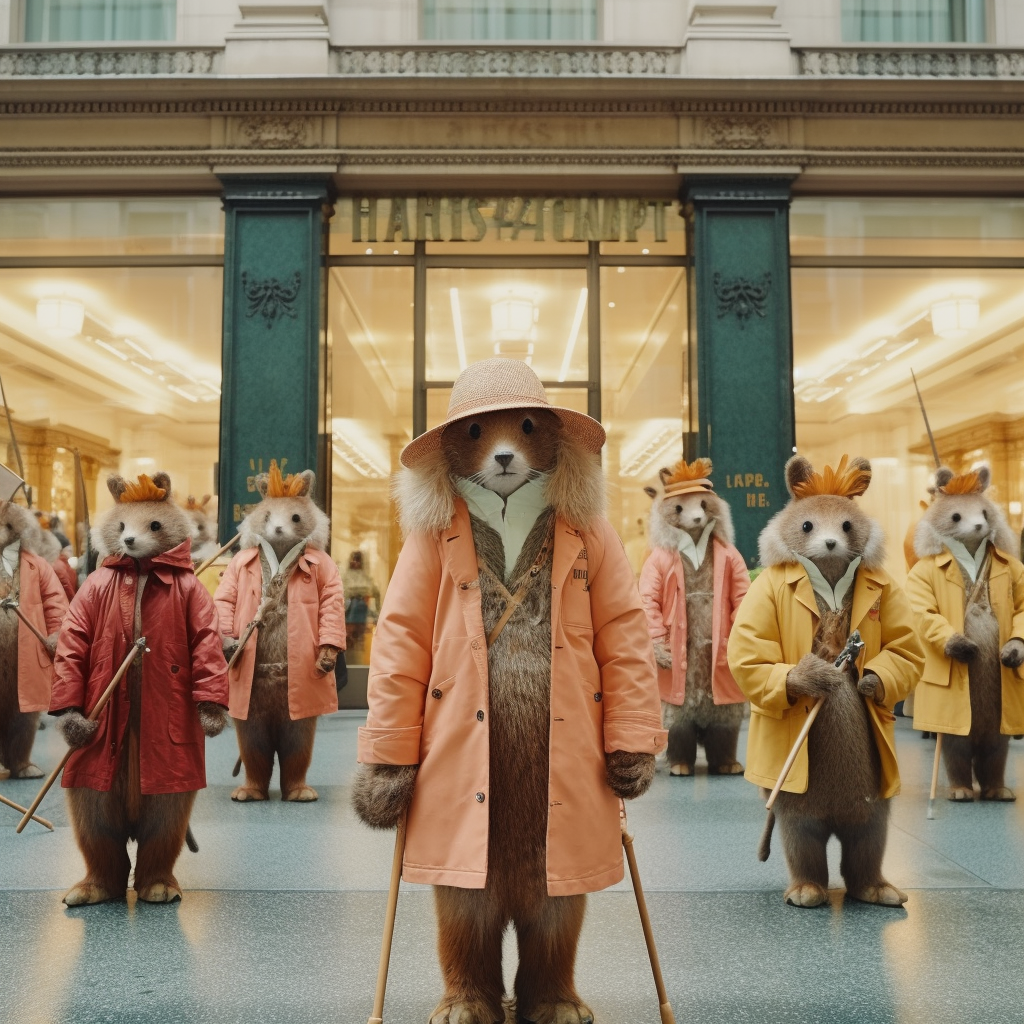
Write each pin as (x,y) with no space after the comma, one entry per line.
(629,774)
(381,793)
(76,729)
(212,718)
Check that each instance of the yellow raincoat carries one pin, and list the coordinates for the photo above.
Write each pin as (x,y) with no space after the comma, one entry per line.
(775,628)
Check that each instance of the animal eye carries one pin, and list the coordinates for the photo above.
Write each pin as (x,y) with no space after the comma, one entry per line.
(527,426)
(956,517)
(474,430)
(679,508)
(704,506)
(847,526)
(154,526)
(120,527)
(984,512)
(808,526)
(296,518)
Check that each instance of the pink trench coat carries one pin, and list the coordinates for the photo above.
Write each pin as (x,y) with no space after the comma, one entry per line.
(428,703)
(43,603)
(663,593)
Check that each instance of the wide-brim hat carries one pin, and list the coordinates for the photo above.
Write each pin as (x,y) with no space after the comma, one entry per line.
(493,385)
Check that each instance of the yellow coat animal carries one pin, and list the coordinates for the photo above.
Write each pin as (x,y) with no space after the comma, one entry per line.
(942,703)
(775,628)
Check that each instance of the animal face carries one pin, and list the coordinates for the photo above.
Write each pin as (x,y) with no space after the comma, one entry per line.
(283,522)
(503,450)
(142,529)
(17,523)
(968,518)
(204,529)
(689,512)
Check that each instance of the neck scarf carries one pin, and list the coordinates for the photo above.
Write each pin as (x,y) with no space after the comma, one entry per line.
(10,556)
(971,564)
(833,598)
(696,552)
(272,559)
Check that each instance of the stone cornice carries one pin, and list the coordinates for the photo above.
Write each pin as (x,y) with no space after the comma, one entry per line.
(912,62)
(108,61)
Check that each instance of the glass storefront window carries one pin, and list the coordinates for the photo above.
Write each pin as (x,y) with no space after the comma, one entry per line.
(80,21)
(913,21)
(567,398)
(509,19)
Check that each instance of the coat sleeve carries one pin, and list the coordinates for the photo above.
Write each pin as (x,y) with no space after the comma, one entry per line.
(933,627)
(739,581)
(71,663)
(1017,583)
(755,648)
(209,669)
(900,661)
(225,597)
(650,595)
(331,626)
(54,597)
(622,647)
(402,657)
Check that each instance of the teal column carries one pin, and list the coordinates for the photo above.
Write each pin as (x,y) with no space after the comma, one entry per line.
(742,333)
(274,403)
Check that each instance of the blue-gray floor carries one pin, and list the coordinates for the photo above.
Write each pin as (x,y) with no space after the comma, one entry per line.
(284,903)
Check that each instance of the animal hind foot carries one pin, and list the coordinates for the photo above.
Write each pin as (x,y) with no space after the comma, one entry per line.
(160,892)
(730,768)
(806,894)
(248,794)
(30,771)
(1001,793)
(883,894)
(88,893)
(681,769)
(455,1011)
(301,794)
(558,1013)
(961,794)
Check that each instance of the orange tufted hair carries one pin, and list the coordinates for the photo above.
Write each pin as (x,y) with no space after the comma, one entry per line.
(144,490)
(282,487)
(845,481)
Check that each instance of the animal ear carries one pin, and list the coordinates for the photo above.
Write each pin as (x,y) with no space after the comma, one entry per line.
(664,473)
(942,476)
(262,482)
(650,492)
(859,462)
(162,480)
(205,501)
(798,469)
(308,478)
(116,486)
(984,477)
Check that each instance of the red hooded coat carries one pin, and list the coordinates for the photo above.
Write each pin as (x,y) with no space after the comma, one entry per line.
(185,665)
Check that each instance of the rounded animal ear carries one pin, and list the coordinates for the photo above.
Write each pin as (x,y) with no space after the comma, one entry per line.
(664,473)
(984,477)
(798,469)
(161,479)
(116,485)
(859,462)
(262,482)
(650,492)
(942,476)
(205,501)
(308,478)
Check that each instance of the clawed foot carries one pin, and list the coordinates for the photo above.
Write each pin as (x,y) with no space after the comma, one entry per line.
(160,892)
(303,795)
(30,771)
(681,769)
(558,1013)
(449,1012)
(733,768)
(88,893)
(1001,793)
(806,894)
(961,794)
(883,894)
(247,794)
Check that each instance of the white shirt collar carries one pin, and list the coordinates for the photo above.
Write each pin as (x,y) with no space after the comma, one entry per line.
(11,555)
(971,564)
(833,598)
(696,552)
(272,560)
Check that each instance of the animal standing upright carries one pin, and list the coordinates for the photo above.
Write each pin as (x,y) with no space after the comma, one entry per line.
(968,591)
(824,578)
(691,585)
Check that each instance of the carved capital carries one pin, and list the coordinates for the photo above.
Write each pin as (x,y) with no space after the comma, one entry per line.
(741,296)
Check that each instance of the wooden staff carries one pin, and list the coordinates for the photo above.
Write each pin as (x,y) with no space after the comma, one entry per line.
(203,566)
(667,1016)
(851,652)
(377,1017)
(139,645)
(15,607)
(935,777)
(18,807)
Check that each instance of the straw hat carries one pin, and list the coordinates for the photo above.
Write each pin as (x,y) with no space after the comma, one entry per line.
(496,384)
(687,478)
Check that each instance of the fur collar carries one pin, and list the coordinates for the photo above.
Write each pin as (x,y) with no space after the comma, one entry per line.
(664,535)
(772,549)
(928,541)
(425,495)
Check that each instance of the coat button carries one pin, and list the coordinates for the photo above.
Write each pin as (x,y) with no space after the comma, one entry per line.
(479,716)
(597,697)
(436,694)
(479,798)
(128,581)
(475,645)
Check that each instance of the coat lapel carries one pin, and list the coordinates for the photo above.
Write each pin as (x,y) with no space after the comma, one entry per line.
(460,561)
(568,543)
(946,561)
(866,592)
(796,577)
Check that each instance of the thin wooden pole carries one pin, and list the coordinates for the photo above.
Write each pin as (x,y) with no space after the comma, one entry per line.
(935,776)
(203,566)
(377,1017)
(21,615)
(788,766)
(18,807)
(667,1016)
(93,715)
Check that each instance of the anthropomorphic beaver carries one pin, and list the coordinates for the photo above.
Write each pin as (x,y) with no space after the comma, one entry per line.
(968,591)
(52,550)
(823,578)
(204,527)
(284,678)
(26,665)
(512,665)
(136,769)
(691,585)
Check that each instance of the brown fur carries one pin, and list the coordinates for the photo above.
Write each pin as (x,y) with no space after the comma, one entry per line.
(140,529)
(844,769)
(204,528)
(381,793)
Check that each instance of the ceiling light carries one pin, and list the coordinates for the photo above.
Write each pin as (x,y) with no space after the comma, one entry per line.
(182,392)
(60,316)
(611,305)
(868,369)
(113,351)
(460,340)
(952,318)
(512,319)
(369,252)
(574,333)
(621,270)
(145,369)
(646,252)
(828,394)
(903,348)
(874,348)
(138,348)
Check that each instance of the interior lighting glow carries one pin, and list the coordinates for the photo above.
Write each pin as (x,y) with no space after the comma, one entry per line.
(574,333)
(952,318)
(60,316)
(512,319)
(874,348)
(181,373)
(828,394)
(138,348)
(460,340)
(903,348)
(182,392)
(113,351)
(1015,508)
(145,369)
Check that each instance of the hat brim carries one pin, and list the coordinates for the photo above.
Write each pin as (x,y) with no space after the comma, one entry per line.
(689,487)
(582,428)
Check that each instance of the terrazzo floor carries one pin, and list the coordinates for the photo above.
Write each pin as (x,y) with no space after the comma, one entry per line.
(284,903)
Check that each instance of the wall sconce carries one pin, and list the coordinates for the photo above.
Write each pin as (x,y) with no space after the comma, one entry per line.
(61,316)
(952,318)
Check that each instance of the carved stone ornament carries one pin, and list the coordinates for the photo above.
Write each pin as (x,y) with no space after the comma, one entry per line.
(75,62)
(732,132)
(742,296)
(903,63)
(276,132)
(270,298)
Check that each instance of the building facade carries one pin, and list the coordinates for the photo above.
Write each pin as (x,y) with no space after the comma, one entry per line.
(231,233)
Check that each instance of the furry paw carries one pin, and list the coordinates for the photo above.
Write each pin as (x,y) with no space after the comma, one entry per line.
(960,647)
(4,773)
(76,729)
(247,795)
(806,894)
(883,894)
(681,770)
(50,643)
(87,893)
(1012,654)
(30,771)
(662,654)
(557,1013)
(212,717)
(961,794)
(1000,793)
(160,892)
(450,1011)
(229,644)
(381,793)
(301,795)
(813,677)
(732,768)
(326,659)
(872,687)
(629,774)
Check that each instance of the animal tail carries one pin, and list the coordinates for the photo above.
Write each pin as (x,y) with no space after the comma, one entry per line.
(236,769)
(190,840)
(764,847)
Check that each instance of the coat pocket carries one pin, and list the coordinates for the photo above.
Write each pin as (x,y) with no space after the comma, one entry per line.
(182,717)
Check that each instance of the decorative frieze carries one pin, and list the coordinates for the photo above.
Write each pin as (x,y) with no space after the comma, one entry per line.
(74,62)
(904,63)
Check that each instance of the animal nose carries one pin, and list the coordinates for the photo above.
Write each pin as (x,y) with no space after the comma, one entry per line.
(129,541)
(278,530)
(977,526)
(830,544)
(504,458)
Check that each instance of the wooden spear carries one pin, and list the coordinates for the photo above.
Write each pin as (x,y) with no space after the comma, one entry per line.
(203,566)
(139,645)
(18,807)
(11,605)
(377,1017)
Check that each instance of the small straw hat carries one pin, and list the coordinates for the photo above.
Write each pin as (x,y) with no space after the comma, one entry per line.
(495,384)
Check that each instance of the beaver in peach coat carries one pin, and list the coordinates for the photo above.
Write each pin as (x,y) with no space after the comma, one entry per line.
(509,748)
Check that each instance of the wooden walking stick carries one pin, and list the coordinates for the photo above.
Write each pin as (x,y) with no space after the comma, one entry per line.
(935,777)
(18,807)
(203,566)
(11,605)
(667,1016)
(139,645)
(377,1017)
(851,652)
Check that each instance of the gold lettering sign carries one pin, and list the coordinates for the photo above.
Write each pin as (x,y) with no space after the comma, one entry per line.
(755,486)
(536,218)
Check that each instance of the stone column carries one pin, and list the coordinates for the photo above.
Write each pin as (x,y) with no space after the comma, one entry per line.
(740,323)
(273,403)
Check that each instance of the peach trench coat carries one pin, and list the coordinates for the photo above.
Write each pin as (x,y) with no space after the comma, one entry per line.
(43,602)
(316,615)
(935,586)
(428,703)
(775,628)
(663,592)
